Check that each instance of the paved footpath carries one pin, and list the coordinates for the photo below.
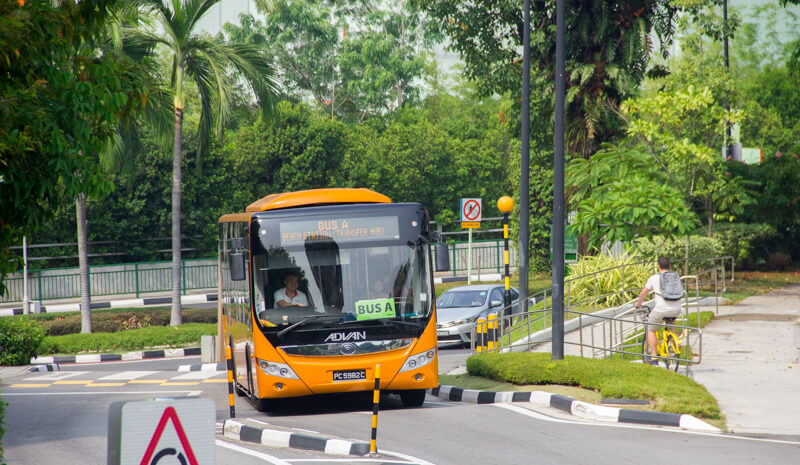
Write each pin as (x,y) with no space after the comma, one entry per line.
(751,363)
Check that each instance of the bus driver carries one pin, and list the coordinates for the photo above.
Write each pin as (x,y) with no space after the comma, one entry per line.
(290,295)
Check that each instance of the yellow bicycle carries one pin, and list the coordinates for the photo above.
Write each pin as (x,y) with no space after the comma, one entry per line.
(668,348)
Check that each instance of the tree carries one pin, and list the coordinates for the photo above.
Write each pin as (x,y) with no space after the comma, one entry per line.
(59,106)
(205,61)
(120,150)
(607,53)
(356,59)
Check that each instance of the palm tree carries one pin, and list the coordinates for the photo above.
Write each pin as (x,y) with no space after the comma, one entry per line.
(149,108)
(206,61)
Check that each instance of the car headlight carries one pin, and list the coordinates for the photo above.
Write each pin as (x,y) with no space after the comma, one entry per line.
(464,321)
(418,360)
(281,370)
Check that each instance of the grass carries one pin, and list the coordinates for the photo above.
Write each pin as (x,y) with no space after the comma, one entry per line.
(751,283)
(536,282)
(666,391)
(187,334)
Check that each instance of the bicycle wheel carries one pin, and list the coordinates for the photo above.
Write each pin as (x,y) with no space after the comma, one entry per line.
(673,352)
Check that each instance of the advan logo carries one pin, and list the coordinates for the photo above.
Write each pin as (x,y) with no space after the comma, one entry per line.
(351,336)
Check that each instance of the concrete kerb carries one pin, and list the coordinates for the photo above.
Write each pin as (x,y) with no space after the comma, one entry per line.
(574,407)
(239,431)
(95,358)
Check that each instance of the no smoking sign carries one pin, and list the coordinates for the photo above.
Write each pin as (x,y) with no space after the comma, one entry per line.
(471,213)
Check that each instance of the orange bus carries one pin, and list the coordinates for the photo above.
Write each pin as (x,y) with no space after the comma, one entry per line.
(318,287)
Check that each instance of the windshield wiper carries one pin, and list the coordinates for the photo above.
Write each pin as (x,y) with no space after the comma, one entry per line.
(291,328)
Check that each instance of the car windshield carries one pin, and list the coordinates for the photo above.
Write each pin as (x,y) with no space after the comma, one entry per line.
(461,299)
(324,282)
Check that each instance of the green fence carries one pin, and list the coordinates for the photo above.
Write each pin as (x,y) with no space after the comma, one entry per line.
(129,278)
(487,255)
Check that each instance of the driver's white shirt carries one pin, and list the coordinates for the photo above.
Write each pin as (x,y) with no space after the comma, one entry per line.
(299,299)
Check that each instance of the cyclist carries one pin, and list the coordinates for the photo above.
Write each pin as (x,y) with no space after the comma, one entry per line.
(664,307)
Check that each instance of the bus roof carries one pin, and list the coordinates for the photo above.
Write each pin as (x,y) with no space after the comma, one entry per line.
(311,197)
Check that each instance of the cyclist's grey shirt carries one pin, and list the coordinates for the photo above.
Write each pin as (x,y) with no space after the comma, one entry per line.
(672,306)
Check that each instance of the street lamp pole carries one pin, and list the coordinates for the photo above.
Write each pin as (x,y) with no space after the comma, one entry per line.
(524,178)
(558,191)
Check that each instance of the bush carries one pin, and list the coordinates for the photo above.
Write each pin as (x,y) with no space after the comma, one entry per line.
(608,282)
(134,339)
(747,243)
(612,378)
(112,321)
(675,249)
(20,339)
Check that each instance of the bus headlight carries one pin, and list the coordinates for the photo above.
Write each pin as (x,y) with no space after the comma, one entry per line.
(418,360)
(281,370)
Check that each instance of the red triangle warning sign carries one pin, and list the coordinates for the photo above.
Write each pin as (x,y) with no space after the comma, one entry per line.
(169,414)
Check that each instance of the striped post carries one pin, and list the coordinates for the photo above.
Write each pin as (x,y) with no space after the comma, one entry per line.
(376,401)
(229,357)
(507,295)
(491,337)
(480,331)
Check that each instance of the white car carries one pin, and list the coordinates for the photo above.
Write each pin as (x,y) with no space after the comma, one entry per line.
(459,308)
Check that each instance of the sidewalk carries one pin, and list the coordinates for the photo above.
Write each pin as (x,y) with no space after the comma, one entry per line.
(750,362)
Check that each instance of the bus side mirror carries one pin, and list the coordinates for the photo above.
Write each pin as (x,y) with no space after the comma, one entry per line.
(237,266)
(442,255)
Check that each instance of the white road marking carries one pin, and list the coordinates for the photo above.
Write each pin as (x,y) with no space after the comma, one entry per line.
(57,376)
(410,458)
(128,375)
(539,416)
(198,375)
(353,460)
(258,421)
(266,457)
(88,393)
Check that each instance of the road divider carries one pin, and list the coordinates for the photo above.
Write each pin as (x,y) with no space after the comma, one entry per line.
(574,407)
(238,430)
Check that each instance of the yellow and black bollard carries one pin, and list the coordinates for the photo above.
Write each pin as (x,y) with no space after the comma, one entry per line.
(505,204)
(480,333)
(376,402)
(229,358)
(491,332)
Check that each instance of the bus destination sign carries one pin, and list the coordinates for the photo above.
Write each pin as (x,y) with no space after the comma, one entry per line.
(369,228)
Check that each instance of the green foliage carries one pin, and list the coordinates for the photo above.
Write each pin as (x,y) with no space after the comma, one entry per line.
(135,339)
(115,320)
(20,339)
(613,378)
(675,249)
(60,105)
(355,59)
(608,282)
(747,243)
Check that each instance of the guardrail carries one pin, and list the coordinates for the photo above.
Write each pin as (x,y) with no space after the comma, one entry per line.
(487,254)
(598,331)
(130,278)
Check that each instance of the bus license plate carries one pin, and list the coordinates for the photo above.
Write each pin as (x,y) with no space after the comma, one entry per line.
(350,375)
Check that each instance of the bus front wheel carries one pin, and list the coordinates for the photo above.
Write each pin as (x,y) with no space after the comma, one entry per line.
(412,397)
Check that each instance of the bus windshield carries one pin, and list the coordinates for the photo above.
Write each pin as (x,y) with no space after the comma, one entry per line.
(356,270)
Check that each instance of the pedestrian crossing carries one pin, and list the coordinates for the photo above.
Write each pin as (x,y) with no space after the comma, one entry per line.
(92,379)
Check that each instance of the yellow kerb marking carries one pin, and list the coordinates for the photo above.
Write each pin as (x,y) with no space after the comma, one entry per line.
(214,381)
(105,384)
(73,381)
(29,385)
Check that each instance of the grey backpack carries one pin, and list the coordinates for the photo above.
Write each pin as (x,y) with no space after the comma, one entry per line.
(670,283)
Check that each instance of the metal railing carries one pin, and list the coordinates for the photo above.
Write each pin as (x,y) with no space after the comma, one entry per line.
(595,330)
(129,279)
(487,254)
